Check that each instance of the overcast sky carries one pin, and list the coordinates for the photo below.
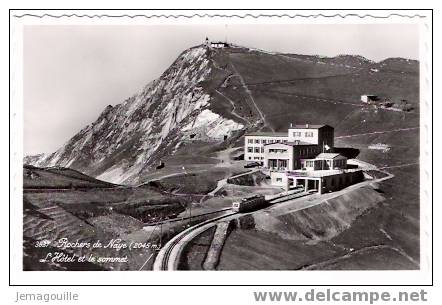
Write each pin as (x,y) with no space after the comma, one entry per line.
(71,73)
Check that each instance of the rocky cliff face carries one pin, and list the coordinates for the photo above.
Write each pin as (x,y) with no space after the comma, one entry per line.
(125,138)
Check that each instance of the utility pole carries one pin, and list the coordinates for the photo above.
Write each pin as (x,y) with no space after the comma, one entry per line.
(168,231)
(161,234)
(190,214)
(226,33)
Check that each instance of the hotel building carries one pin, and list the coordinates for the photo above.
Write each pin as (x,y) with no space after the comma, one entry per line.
(286,149)
(302,156)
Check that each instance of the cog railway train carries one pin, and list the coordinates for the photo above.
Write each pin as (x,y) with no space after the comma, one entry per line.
(250,204)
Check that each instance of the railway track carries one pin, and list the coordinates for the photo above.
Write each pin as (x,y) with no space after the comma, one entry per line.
(162,261)
(289,197)
(184,218)
(167,257)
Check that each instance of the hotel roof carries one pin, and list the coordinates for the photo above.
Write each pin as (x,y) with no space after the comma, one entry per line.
(308,126)
(329,156)
(296,143)
(268,134)
(300,143)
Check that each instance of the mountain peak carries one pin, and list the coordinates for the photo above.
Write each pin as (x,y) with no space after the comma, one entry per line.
(128,138)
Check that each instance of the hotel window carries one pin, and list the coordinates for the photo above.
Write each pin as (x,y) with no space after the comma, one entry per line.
(262,150)
(257,150)
(309,134)
(250,141)
(296,134)
(256,141)
(249,149)
(282,163)
(278,179)
(264,141)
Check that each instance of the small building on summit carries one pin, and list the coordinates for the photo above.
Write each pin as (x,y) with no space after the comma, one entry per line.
(219,45)
(369,98)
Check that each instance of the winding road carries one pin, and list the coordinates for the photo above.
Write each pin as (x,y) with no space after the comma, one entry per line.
(376,132)
(244,85)
(233,112)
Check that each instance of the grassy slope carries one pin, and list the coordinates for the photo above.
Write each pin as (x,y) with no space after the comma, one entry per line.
(91,213)
(53,178)
(286,92)
(385,236)
(289,91)
(396,223)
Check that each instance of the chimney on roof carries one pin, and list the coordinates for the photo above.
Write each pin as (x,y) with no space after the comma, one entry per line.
(306,125)
(291,125)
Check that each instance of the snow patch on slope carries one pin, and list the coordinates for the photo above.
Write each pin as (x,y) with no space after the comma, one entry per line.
(113,175)
(213,124)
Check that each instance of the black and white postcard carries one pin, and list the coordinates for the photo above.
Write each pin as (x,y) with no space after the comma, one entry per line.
(154,141)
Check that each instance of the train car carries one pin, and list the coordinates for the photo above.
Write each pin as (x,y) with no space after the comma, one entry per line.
(249,204)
